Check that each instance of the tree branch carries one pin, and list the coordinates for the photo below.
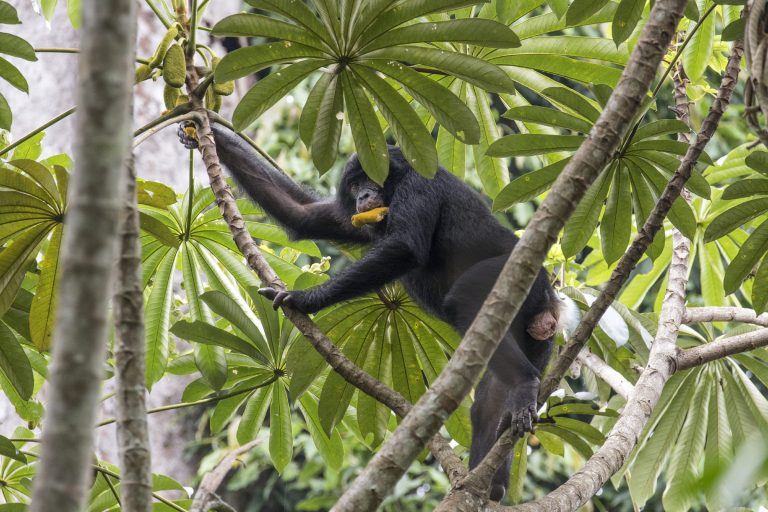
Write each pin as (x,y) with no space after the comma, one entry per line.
(654,222)
(513,284)
(724,314)
(603,370)
(206,492)
(721,348)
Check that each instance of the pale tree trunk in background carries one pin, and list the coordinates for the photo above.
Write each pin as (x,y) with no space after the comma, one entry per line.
(87,258)
(52,82)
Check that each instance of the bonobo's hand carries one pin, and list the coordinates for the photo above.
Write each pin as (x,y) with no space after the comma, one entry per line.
(188,135)
(295,299)
(520,410)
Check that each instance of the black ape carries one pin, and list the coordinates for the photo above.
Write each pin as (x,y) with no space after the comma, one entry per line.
(442,242)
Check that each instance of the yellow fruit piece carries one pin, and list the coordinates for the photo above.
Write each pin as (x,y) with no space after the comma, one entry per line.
(174,66)
(370,217)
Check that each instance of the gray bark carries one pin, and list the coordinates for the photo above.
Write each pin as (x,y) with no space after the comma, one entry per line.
(87,259)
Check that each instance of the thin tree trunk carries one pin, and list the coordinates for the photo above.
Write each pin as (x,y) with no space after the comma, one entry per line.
(90,234)
(130,393)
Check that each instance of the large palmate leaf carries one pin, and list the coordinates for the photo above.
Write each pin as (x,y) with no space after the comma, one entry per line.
(32,206)
(394,38)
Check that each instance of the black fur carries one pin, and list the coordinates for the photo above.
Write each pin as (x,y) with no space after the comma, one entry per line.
(441,241)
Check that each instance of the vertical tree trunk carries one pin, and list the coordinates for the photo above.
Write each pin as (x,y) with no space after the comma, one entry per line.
(130,395)
(87,262)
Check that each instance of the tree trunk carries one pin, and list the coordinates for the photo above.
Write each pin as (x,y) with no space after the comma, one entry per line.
(87,261)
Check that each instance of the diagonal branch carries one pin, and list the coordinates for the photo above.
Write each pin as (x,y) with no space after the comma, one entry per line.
(721,348)
(654,222)
(352,373)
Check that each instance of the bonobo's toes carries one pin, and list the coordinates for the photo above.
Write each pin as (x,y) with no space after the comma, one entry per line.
(523,420)
(497,492)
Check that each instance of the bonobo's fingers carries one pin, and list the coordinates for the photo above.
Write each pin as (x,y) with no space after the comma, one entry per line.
(188,135)
(543,326)
(278,298)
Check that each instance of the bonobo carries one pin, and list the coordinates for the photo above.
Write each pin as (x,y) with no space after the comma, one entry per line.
(441,241)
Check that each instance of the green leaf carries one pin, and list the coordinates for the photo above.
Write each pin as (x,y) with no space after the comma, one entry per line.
(411,134)
(699,50)
(470,69)
(8,449)
(73,10)
(297,12)
(369,138)
(734,217)
(643,202)
(493,172)
(43,312)
(746,188)
(578,70)
(519,469)
(268,91)
(583,429)
(760,288)
(528,186)
(580,10)
(482,32)
(444,105)
(15,364)
(547,117)
(583,222)
(225,306)
(201,332)
(758,160)
(749,254)
(8,15)
(157,314)
(385,15)
(734,30)
(660,127)
(372,415)
(13,76)
(528,144)
(628,14)
(325,139)
(311,108)
(692,10)
(158,230)
(256,25)
(331,448)
(597,48)
(569,437)
(6,116)
(280,435)
(254,413)
(42,175)
(15,259)
(16,47)
(573,101)
(225,410)
(616,225)
(250,59)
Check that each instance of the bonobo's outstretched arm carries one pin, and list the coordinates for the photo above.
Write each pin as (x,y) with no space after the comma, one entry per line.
(297,209)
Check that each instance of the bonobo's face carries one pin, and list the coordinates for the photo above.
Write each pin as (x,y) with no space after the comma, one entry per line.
(367,195)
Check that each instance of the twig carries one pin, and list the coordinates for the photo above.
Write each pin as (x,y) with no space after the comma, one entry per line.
(37,130)
(721,348)
(603,370)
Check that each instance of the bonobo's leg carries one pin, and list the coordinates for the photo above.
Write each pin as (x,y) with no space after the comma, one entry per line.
(486,414)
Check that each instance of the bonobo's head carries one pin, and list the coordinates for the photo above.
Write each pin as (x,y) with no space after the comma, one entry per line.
(358,193)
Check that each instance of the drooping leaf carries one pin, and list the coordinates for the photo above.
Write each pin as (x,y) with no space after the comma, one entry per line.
(628,14)
(582,223)
(43,311)
(15,364)
(369,138)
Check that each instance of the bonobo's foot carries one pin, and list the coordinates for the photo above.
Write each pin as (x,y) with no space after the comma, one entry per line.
(295,299)
(520,410)
(188,135)
(543,326)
